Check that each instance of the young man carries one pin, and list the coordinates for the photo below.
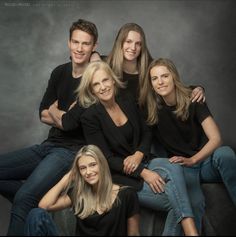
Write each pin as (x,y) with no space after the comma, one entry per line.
(42,166)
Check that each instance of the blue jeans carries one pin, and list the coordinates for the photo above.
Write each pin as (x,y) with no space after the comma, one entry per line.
(221,167)
(174,200)
(40,223)
(41,166)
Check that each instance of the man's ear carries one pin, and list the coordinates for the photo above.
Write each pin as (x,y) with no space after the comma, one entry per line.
(95,46)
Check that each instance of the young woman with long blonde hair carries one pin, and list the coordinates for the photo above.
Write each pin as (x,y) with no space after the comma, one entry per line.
(113,122)
(130,58)
(89,190)
(188,132)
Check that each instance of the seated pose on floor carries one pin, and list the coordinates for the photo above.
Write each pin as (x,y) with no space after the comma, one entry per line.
(102,208)
(188,132)
(114,123)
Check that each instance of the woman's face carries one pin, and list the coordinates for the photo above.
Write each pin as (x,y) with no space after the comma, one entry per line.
(103,86)
(162,81)
(89,169)
(132,46)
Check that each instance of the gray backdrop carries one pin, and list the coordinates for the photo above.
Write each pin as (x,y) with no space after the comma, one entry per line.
(199,36)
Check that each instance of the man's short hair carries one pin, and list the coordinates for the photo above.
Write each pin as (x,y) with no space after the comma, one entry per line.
(85,26)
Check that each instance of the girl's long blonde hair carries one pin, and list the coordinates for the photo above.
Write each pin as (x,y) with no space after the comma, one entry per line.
(116,58)
(85,199)
(150,101)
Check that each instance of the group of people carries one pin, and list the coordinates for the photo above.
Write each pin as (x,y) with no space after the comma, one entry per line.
(105,114)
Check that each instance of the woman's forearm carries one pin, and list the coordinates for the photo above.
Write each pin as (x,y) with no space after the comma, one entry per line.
(52,196)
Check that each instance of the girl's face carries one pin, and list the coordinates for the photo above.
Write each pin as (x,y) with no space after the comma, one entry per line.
(162,81)
(103,86)
(132,46)
(89,169)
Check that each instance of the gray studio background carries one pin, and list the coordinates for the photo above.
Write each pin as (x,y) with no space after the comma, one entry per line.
(199,36)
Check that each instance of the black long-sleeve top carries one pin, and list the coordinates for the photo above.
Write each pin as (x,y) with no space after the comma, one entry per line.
(61,87)
(100,130)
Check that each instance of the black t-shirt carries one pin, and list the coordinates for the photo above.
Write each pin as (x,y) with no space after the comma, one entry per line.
(183,138)
(113,222)
(128,131)
(132,85)
(61,87)
(132,82)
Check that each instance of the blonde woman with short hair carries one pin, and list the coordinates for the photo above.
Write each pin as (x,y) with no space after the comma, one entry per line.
(114,123)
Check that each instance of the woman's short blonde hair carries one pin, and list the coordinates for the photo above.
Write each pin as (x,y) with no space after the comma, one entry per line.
(84,92)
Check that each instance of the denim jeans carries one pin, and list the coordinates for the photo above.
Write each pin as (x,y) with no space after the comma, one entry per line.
(40,223)
(221,167)
(174,200)
(41,166)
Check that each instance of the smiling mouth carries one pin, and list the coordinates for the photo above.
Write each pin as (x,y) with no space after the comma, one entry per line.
(130,53)
(91,177)
(105,92)
(78,55)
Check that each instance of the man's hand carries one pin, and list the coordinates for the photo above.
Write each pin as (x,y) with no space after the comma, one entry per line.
(72,105)
(56,114)
(53,107)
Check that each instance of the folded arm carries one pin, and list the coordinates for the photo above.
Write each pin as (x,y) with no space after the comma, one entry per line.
(65,120)
(54,199)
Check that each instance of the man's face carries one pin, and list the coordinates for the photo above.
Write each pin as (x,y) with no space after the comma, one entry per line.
(81,46)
